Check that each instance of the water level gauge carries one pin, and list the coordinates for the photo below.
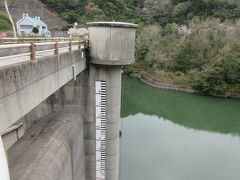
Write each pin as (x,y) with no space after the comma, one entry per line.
(100,129)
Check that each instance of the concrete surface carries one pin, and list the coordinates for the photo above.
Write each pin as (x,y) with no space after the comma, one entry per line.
(79,96)
(25,85)
(112,43)
(52,150)
(4,173)
(112,76)
(112,46)
(27,121)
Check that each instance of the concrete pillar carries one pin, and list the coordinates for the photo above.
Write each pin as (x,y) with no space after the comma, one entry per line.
(4,173)
(112,45)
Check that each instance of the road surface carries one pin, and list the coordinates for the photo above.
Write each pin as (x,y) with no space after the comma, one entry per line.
(9,60)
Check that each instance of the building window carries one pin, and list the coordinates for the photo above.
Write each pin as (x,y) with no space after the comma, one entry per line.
(26,27)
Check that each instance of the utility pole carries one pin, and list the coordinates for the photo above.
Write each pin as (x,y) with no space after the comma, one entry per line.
(11,20)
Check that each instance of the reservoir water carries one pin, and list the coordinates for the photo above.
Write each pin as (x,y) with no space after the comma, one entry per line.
(169,135)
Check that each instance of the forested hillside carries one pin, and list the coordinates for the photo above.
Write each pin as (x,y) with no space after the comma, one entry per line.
(85,10)
(145,11)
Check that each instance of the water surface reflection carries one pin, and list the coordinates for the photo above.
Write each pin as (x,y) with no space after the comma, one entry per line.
(154,148)
(169,135)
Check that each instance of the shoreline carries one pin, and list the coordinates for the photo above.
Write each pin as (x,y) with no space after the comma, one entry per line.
(166,86)
(172,87)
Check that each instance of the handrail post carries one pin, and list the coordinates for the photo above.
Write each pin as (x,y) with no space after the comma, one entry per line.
(32,51)
(56,48)
(86,44)
(1,41)
(70,45)
(79,45)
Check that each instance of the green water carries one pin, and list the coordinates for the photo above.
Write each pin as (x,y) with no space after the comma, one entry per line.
(170,135)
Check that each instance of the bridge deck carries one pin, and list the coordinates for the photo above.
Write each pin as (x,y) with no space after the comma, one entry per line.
(8,60)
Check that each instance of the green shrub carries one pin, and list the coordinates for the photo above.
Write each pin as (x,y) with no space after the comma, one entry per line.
(128,70)
(221,76)
(5,24)
(141,74)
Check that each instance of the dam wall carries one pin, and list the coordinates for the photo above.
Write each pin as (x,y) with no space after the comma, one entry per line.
(52,138)
(64,123)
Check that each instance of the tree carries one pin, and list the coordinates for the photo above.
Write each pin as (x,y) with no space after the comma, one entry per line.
(5,22)
(93,12)
(221,76)
(157,11)
(10,18)
(35,30)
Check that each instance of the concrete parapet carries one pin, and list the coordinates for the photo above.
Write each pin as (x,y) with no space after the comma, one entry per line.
(25,85)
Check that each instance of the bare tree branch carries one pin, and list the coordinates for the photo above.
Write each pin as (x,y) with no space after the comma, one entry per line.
(10,18)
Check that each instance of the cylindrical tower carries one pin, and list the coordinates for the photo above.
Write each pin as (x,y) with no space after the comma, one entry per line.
(112,45)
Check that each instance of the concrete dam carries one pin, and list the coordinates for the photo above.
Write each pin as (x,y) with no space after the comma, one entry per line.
(60,114)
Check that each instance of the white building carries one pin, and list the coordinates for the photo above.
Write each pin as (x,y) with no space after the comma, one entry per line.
(26,25)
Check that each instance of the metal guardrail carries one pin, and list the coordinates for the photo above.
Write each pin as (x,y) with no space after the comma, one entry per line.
(35,39)
(32,46)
